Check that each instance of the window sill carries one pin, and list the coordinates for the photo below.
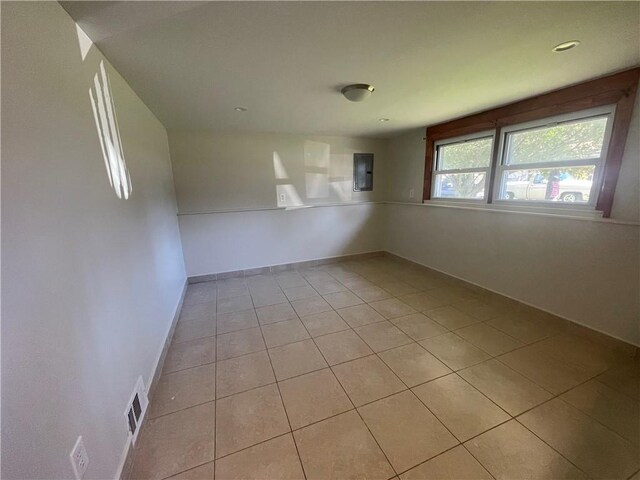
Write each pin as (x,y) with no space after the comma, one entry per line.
(562,213)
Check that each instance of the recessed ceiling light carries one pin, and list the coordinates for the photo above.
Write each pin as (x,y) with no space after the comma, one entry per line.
(240,109)
(563,47)
(383,120)
(357,92)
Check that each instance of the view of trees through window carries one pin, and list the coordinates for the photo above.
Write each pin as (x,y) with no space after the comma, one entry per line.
(557,162)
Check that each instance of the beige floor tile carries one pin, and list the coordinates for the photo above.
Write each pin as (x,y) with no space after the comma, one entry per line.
(238,343)
(422,301)
(328,286)
(510,451)
(295,359)
(309,306)
(341,448)
(549,372)
(407,432)
(624,378)
(357,283)
(313,397)
(273,459)
(580,351)
(342,299)
(242,373)
(372,294)
(510,390)
(204,292)
(290,279)
(524,330)
(419,326)
(397,288)
(233,321)
(585,442)
(191,330)
(342,346)
(382,336)
(450,317)
(281,333)
(413,364)
(234,304)
(199,311)
(489,339)
(183,389)
(190,354)
(454,464)
(275,313)
(299,292)
(476,309)
(176,442)
(248,418)
(453,351)
(203,472)
(360,315)
(266,299)
(615,410)
(464,410)
(324,323)
(367,379)
(392,308)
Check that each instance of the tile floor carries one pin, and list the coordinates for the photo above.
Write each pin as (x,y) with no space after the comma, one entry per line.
(382,369)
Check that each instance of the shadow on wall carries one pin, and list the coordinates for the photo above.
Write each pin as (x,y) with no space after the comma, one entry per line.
(326,177)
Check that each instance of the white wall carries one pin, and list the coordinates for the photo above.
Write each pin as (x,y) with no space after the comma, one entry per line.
(90,282)
(586,271)
(224,171)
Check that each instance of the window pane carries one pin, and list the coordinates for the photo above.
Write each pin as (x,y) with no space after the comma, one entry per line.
(460,185)
(469,154)
(577,140)
(570,184)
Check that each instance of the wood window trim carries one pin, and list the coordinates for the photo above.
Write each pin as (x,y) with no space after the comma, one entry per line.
(618,89)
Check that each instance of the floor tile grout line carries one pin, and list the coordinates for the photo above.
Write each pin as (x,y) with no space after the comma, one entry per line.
(354,407)
(548,445)
(284,407)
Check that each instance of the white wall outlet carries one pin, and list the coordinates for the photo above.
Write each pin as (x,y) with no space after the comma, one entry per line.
(282,197)
(411,193)
(79,458)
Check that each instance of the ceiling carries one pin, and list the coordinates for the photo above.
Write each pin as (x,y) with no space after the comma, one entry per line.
(193,62)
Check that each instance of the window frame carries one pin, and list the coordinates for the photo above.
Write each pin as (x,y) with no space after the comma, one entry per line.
(487,169)
(618,89)
(501,166)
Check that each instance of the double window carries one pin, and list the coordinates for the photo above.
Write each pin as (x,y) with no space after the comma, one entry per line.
(552,161)
(562,149)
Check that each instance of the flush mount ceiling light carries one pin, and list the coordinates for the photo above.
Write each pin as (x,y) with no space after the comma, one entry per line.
(383,120)
(357,92)
(563,47)
(240,109)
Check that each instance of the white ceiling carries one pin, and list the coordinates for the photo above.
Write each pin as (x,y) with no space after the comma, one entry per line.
(193,62)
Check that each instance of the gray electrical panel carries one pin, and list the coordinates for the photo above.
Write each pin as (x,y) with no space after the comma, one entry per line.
(362,172)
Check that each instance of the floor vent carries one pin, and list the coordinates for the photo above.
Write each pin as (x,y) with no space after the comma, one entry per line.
(136,408)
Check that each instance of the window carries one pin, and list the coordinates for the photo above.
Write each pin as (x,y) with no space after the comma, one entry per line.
(462,167)
(554,161)
(559,149)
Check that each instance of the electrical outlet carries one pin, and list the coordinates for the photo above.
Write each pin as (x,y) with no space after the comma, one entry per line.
(282,197)
(79,458)
(411,193)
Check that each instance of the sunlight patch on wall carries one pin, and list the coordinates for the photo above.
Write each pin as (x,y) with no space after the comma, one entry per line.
(286,194)
(84,42)
(109,134)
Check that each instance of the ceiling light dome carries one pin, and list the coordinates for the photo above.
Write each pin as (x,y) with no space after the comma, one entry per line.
(357,92)
(563,47)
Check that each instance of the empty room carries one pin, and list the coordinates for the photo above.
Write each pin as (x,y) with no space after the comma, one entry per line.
(315,240)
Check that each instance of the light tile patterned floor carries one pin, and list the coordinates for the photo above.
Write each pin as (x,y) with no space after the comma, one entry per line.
(380,369)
